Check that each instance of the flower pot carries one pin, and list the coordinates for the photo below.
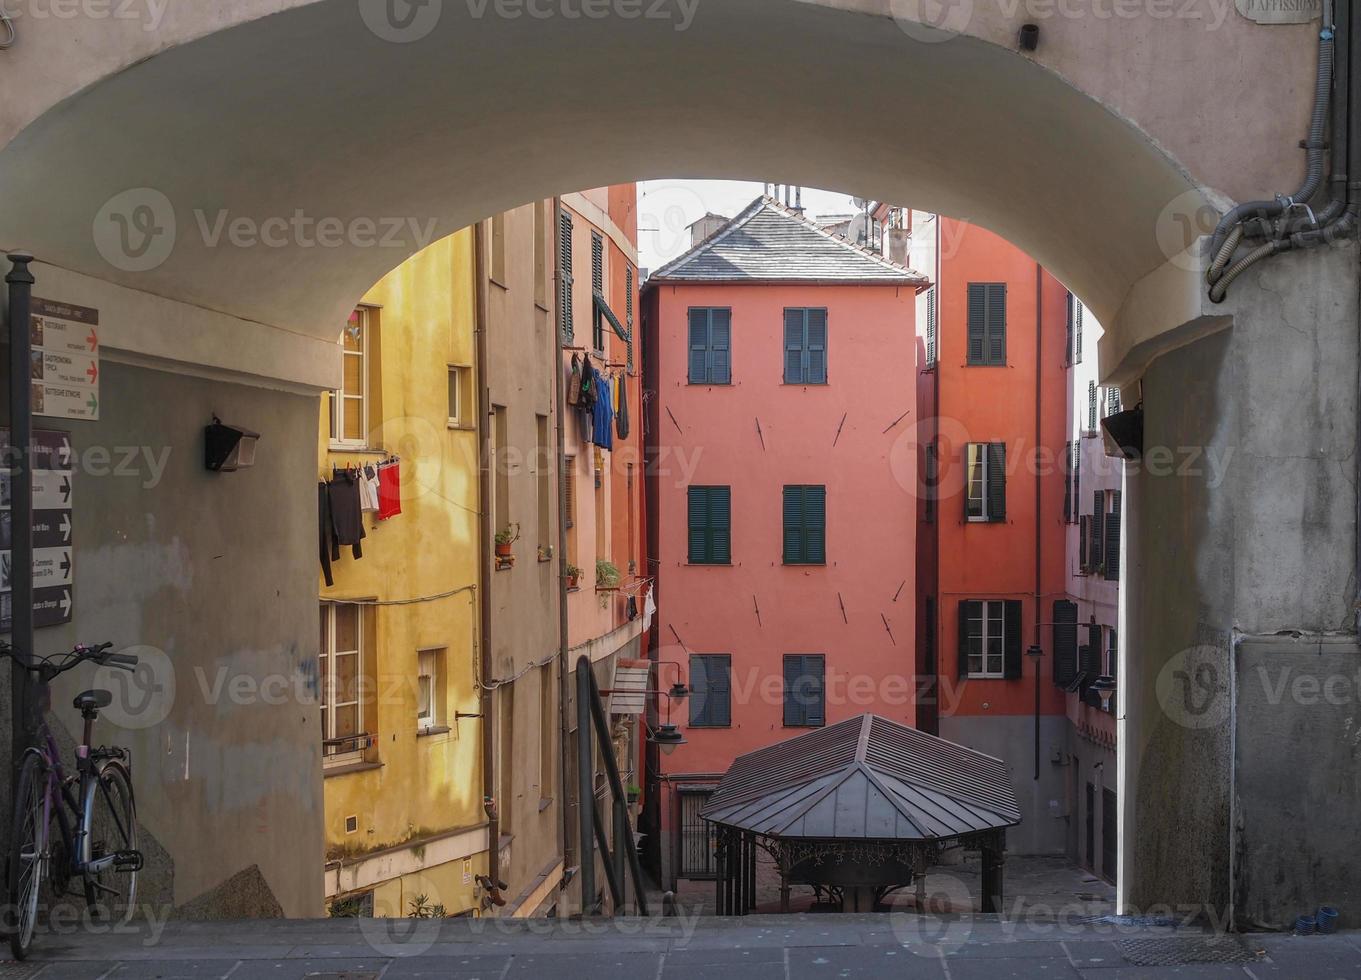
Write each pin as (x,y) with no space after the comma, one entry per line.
(503,550)
(572,581)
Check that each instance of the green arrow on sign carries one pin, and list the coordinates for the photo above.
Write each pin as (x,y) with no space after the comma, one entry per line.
(92,404)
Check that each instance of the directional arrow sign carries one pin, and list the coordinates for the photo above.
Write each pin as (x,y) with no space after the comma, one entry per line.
(51,528)
(65,366)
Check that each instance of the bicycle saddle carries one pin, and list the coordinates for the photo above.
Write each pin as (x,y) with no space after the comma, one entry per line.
(89,700)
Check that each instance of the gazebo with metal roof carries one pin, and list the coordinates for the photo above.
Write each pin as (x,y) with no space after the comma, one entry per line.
(858,809)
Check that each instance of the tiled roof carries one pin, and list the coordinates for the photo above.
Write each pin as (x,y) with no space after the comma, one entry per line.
(865,778)
(769,242)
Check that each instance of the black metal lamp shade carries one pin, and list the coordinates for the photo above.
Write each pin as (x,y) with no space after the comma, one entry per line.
(228,447)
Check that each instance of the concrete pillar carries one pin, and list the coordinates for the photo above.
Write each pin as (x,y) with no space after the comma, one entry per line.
(1241,519)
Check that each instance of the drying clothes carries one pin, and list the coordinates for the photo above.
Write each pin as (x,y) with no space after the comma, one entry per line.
(330,551)
(339,520)
(603,420)
(649,608)
(631,609)
(389,490)
(586,403)
(621,408)
(574,381)
(368,489)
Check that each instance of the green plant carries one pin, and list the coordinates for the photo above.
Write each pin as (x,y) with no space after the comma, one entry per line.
(573,571)
(633,790)
(607,574)
(508,534)
(422,909)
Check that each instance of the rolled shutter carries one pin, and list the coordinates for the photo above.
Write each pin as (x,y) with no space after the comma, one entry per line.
(970,611)
(793,346)
(815,524)
(1113,539)
(697,506)
(997,323)
(699,345)
(1065,642)
(720,346)
(1011,639)
(793,524)
(720,524)
(977,323)
(815,355)
(997,481)
(1094,553)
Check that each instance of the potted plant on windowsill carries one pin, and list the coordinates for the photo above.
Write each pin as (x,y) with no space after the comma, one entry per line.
(633,793)
(573,575)
(607,574)
(505,538)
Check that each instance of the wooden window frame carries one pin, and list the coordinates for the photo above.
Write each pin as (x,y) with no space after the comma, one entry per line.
(339,411)
(332,755)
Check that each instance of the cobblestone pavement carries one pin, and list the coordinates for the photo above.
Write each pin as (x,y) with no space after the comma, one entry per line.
(762,947)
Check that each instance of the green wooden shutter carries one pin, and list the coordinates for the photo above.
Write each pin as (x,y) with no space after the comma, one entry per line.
(815,525)
(1083,530)
(628,312)
(1113,539)
(1091,406)
(1011,639)
(1068,329)
(1077,336)
(1077,477)
(977,323)
(997,481)
(793,525)
(1094,553)
(794,334)
(1065,642)
(997,323)
(565,275)
(970,621)
(1091,664)
(697,507)
(720,346)
(815,353)
(720,525)
(1068,483)
(720,690)
(699,690)
(815,711)
(699,345)
(931,327)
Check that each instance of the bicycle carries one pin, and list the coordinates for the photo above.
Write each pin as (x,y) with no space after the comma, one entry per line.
(94,811)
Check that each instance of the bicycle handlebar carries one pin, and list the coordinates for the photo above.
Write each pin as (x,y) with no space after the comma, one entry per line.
(58,663)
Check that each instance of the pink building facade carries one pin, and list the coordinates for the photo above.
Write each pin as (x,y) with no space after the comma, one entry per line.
(783,478)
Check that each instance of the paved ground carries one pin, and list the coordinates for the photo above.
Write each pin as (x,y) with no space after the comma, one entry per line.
(754,948)
(1035,887)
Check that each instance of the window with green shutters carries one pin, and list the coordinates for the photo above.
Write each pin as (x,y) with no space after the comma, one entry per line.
(990,638)
(598,285)
(710,690)
(1091,406)
(1113,539)
(710,520)
(804,690)
(805,346)
(1095,551)
(985,497)
(1065,642)
(628,313)
(805,525)
(932,331)
(987,324)
(710,345)
(565,275)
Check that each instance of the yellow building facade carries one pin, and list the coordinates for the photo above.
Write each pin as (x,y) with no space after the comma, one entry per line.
(406,830)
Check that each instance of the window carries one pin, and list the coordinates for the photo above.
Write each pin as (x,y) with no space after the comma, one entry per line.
(1068,483)
(565,275)
(1112,542)
(804,690)
(1074,351)
(429,693)
(805,346)
(987,324)
(990,638)
(569,506)
(498,250)
(349,403)
(931,482)
(1112,401)
(710,690)
(541,254)
(1084,526)
(598,285)
(548,725)
(985,498)
(628,313)
(500,468)
(710,524)
(1065,642)
(932,334)
(698,837)
(543,480)
(629,505)
(1091,407)
(1097,527)
(710,346)
(805,525)
(460,397)
(1077,478)
(340,673)
(1112,653)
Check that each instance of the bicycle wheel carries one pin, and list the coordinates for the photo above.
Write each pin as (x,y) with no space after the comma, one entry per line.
(28,859)
(111,832)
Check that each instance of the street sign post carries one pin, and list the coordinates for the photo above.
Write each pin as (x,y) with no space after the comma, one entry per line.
(64,363)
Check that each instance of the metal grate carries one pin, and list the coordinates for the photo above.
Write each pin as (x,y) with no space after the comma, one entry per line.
(19,971)
(1186,950)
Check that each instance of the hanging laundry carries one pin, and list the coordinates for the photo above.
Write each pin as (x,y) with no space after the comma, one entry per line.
(649,607)
(574,381)
(339,520)
(330,550)
(604,413)
(586,402)
(389,489)
(621,408)
(368,489)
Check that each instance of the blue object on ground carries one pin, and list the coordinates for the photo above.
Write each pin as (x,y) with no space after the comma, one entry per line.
(1326,919)
(1304,925)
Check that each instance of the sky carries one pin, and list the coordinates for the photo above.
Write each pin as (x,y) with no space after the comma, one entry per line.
(667,207)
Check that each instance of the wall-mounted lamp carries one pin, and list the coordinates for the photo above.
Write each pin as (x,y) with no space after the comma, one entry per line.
(1124,433)
(1105,690)
(667,737)
(228,447)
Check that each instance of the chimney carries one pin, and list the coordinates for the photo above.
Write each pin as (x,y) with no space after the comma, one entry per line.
(705,226)
(895,244)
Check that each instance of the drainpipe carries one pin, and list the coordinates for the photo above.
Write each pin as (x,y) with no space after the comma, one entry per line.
(489,801)
(1039,486)
(940,515)
(564,645)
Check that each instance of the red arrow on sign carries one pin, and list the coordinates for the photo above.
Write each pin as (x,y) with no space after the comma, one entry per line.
(93,339)
(93,372)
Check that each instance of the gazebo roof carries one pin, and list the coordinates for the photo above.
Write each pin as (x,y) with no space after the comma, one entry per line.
(865,778)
